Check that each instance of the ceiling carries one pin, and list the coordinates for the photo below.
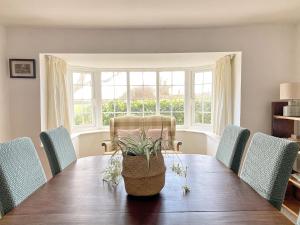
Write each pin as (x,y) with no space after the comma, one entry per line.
(146,13)
(153,60)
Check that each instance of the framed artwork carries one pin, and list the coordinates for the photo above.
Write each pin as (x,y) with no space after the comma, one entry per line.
(22,68)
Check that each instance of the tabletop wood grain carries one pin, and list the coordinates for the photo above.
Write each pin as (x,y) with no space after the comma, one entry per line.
(79,196)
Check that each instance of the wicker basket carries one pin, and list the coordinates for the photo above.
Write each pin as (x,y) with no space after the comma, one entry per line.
(141,180)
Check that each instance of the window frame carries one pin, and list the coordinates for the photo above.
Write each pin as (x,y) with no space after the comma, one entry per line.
(73,101)
(97,96)
(203,126)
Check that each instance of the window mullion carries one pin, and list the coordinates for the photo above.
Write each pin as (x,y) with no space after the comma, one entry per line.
(128,93)
(98,88)
(157,94)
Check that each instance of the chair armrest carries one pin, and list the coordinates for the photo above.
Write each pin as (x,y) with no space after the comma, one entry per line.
(177,145)
(107,146)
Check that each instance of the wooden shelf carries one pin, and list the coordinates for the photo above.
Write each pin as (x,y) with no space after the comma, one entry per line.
(292,205)
(295,182)
(287,117)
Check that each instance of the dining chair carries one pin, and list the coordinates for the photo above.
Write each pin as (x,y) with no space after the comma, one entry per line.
(268,165)
(21,173)
(231,146)
(59,148)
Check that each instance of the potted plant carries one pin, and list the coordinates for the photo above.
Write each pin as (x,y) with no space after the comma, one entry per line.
(143,168)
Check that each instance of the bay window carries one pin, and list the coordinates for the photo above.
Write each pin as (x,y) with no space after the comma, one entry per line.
(99,95)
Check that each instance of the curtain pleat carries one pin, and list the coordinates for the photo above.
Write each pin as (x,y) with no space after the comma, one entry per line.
(222,95)
(58,99)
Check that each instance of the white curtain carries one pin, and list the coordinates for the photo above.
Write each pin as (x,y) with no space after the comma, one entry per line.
(222,95)
(58,99)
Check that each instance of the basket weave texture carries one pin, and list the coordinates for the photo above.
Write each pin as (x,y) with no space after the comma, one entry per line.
(141,180)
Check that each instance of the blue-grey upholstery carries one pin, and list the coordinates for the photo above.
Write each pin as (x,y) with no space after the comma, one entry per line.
(298,220)
(59,148)
(268,165)
(232,145)
(21,172)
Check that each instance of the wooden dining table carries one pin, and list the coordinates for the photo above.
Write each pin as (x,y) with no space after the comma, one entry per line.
(78,196)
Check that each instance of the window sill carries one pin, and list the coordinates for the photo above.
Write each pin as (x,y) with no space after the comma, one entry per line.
(192,130)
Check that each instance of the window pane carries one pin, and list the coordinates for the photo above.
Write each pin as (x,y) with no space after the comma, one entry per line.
(149,92)
(207,89)
(150,105)
(178,104)
(178,77)
(179,116)
(199,78)
(108,106)
(137,106)
(136,78)
(149,113)
(165,105)
(120,106)
(165,78)
(136,92)
(208,77)
(178,91)
(207,107)
(107,78)
(149,78)
(198,105)
(87,79)
(165,113)
(136,113)
(76,78)
(207,118)
(107,92)
(165,91)
(120,92)
(198,90)
(82,92)
(106,118)
(120,78)
(120,114)
(83,114)
(198,117)
(207,97)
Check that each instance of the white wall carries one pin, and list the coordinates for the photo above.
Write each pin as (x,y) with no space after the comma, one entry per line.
(4,89)
(89,143)
(266,49)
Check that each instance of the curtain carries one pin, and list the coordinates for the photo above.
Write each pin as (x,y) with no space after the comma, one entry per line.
(58,99)
(222,95)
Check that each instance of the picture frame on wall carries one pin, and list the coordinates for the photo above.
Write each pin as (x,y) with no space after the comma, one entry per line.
(22,68)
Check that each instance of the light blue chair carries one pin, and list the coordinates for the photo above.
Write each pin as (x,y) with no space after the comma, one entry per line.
(21,173)
(59,148)
(231,146)
(268,165)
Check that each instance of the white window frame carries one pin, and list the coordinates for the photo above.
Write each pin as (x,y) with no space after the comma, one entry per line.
(97,98)
(76,128)
(202,126)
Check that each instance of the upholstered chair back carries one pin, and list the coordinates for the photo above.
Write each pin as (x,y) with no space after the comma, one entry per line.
(232,145)
(268,165)
(21,173)
(59,148)
(147,122)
